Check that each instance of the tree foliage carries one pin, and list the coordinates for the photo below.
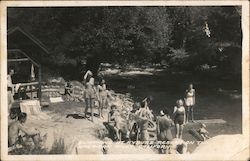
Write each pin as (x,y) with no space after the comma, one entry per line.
(127,35)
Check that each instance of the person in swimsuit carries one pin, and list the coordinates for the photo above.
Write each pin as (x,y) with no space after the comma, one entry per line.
(10,87)
(114,121)
(144,115)
(179,116)
(190,102)
(89,93)
(18,125)
(102,96)
(203,132)
(164,124)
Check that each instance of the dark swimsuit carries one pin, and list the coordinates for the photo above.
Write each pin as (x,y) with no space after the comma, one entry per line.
(165,129)
(179,117)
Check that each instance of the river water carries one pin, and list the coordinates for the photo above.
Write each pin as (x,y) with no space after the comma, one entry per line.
(216,98)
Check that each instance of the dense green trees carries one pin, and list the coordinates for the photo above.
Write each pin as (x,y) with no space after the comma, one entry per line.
(132,35)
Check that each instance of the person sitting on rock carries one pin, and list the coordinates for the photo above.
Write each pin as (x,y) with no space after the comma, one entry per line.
(114,120)
(68,89)
(178,146)
(203,132)
(14,129)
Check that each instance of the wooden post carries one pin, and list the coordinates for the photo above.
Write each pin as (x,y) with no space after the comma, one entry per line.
(31,93)
(39,93)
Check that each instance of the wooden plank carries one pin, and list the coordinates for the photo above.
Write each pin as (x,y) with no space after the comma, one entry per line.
(18,60)
(28,84)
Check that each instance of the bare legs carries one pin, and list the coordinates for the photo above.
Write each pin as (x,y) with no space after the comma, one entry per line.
(103,101)
(89,104)
(179,130)
(190,110)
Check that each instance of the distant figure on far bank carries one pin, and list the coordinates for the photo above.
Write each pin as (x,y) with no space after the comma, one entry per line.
(190,102)
(89,93)
(179,116)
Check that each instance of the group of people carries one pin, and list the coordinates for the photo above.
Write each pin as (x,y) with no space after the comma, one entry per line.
(138,130)
(94,92)
(19,134)
(134,125)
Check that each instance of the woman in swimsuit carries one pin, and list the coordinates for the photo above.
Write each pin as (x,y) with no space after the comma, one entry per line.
(89,93)
(190,102)
(102,96)
(179,118)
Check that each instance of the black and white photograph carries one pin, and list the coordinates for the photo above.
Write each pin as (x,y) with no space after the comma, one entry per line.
(136,80)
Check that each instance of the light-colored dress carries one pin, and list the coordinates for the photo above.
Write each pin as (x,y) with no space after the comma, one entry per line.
(190,100)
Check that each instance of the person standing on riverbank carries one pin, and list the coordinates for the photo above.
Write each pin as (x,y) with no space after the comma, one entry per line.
(179,116)
(190,102)
(102,97)
(163,128)
(89,93)
(144,116)
(10,85)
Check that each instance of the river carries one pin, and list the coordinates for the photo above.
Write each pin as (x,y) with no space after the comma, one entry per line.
(216,98)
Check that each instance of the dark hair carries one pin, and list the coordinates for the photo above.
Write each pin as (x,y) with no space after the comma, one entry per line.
(113,107)
(10,68)
(142,104)
(22,117)
(166,112)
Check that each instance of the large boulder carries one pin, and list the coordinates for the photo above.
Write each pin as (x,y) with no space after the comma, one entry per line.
(223,147)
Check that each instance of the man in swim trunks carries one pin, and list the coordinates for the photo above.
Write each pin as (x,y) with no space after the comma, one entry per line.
(164,124)
(144,116)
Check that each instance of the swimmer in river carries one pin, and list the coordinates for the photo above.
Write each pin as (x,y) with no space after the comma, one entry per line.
(164,124)
(190,102)
(179,116)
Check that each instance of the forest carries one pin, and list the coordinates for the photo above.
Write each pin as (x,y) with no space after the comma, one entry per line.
(181,38)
